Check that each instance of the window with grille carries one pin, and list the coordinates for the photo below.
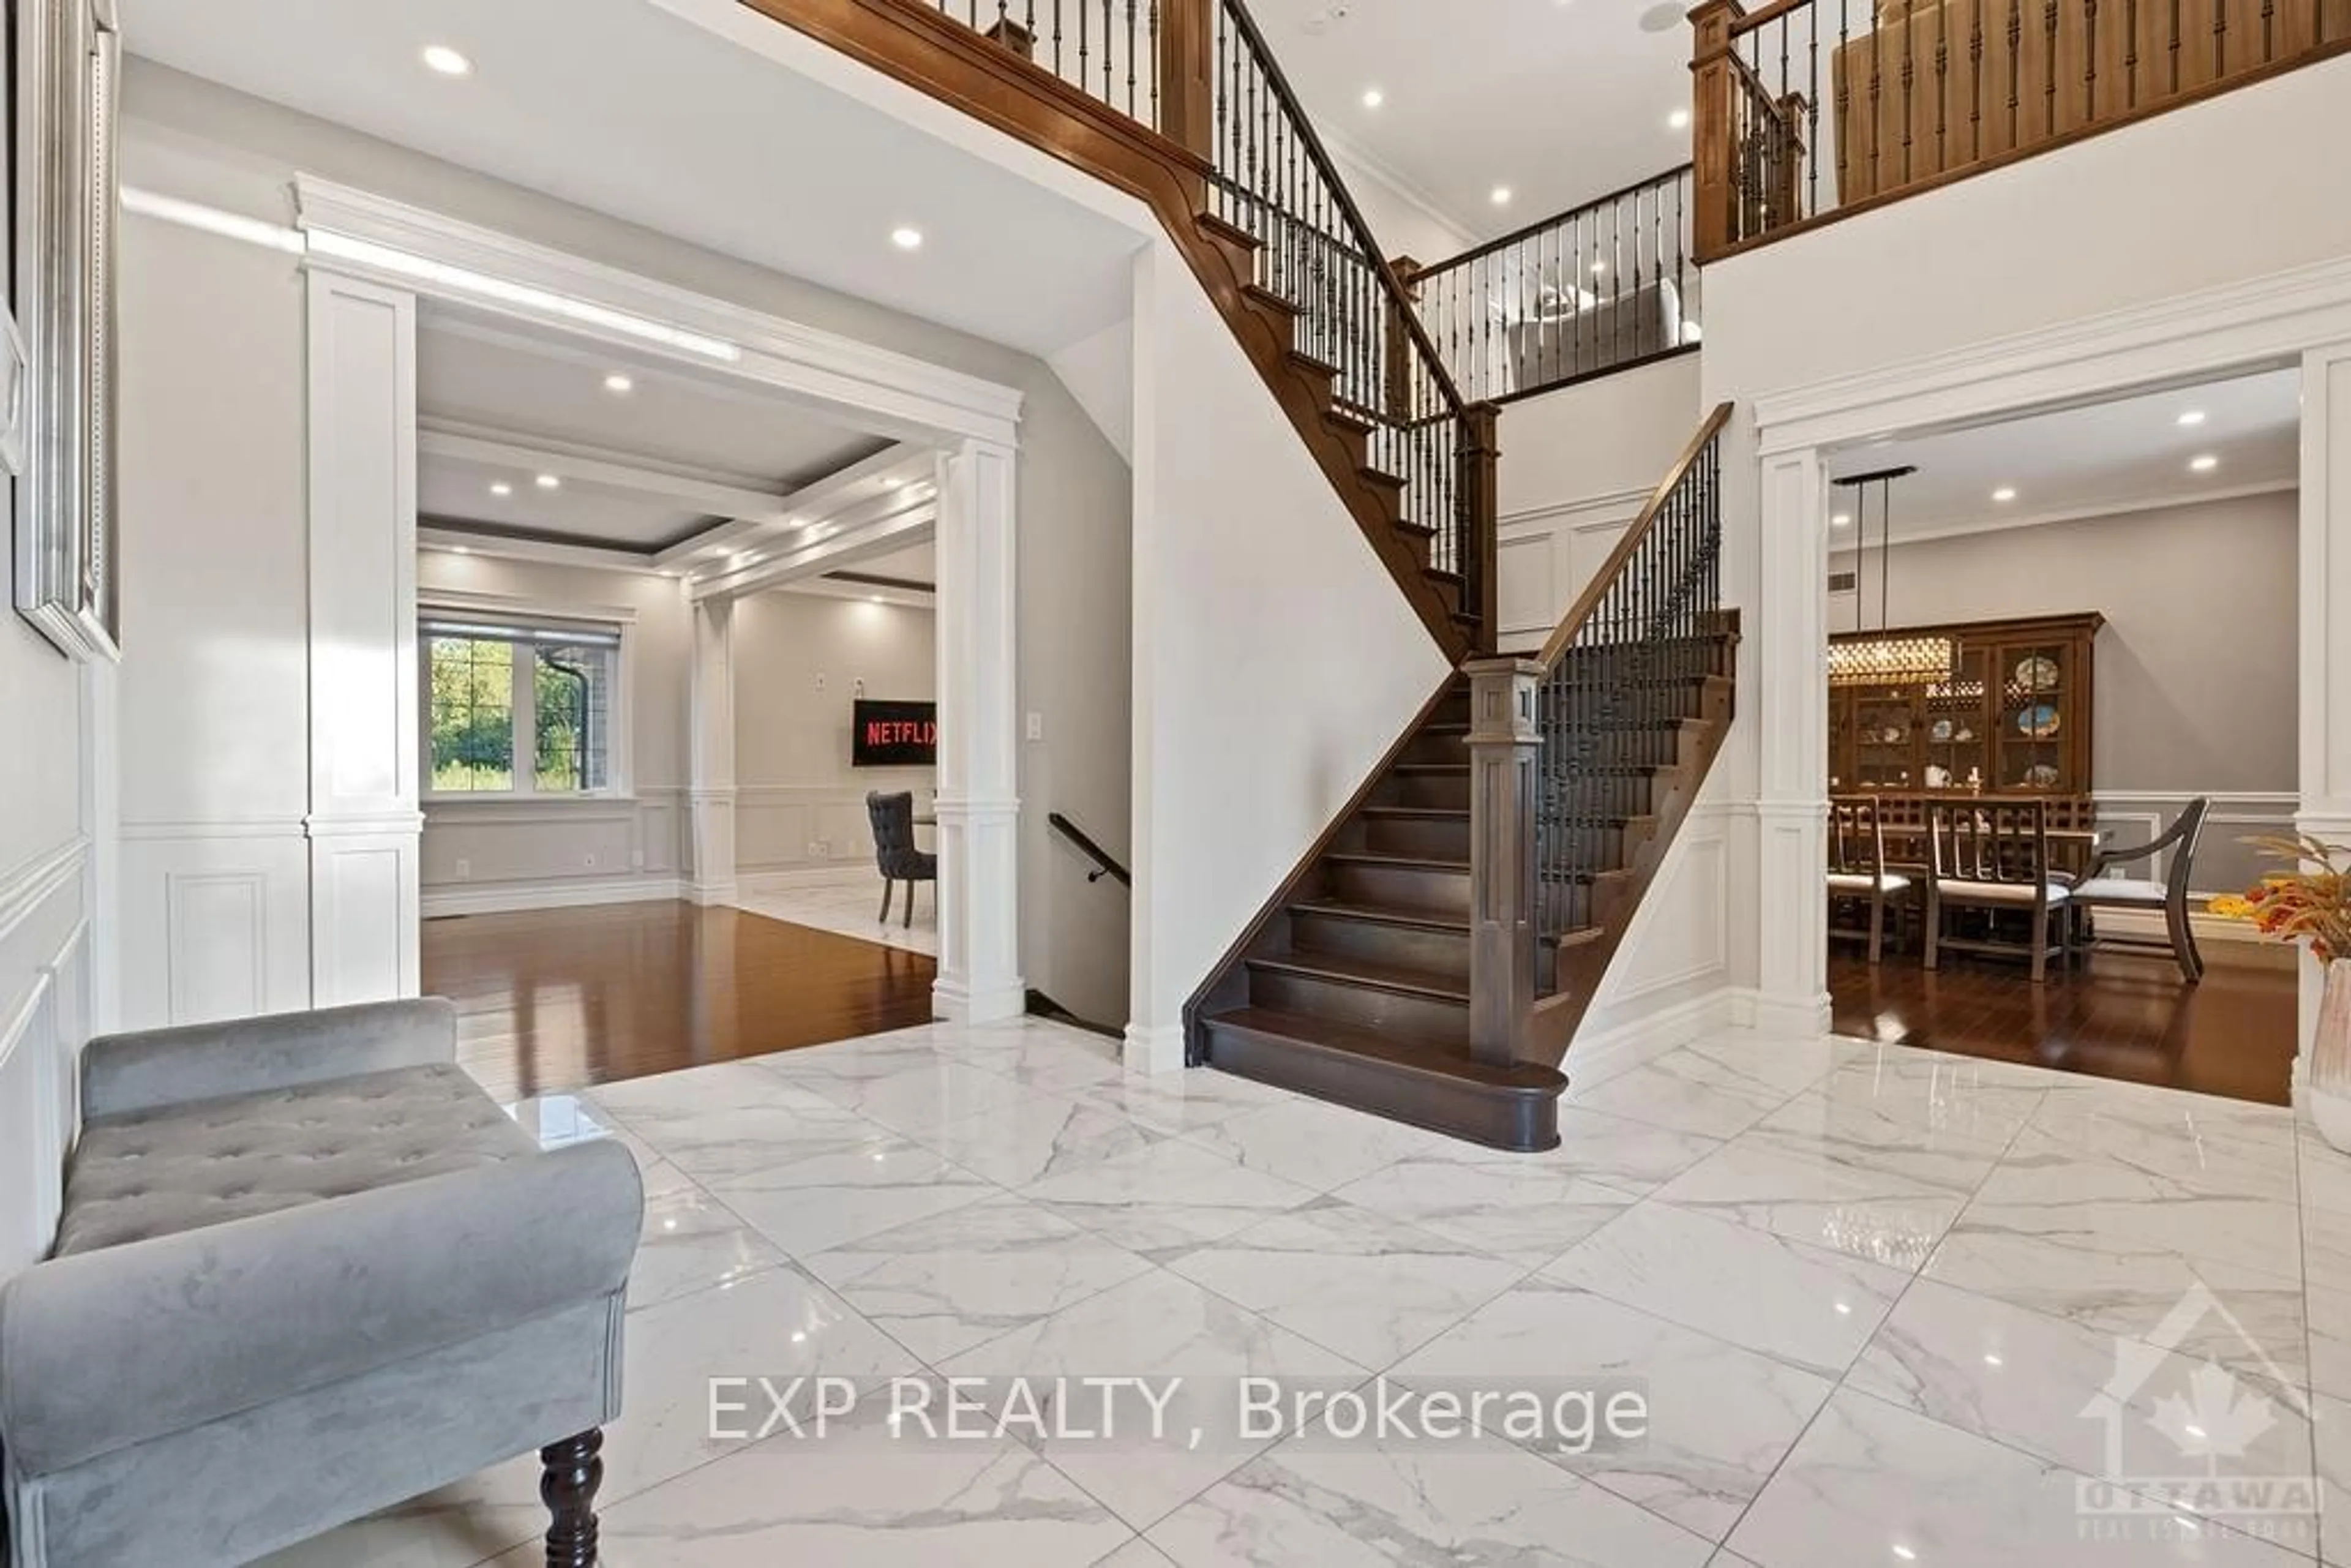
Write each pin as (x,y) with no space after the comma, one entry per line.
(518,708)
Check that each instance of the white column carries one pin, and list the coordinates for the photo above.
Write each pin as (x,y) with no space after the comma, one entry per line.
(710,794)
(2325,617)
(980,799)
(364,824)
(1789,640)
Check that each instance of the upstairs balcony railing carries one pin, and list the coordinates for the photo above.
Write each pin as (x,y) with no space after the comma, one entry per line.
(1807,108)
(1609,285)
(1107,49)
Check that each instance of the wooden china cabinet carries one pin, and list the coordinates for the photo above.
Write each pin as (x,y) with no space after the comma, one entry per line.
(2014,719)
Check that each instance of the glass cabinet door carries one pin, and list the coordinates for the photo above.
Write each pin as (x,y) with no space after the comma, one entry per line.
(1956,747)
(2036,691)
(1885,722)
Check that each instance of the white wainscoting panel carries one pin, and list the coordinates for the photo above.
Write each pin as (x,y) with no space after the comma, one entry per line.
(490,856)
(1679,949)
(1544,558)
(216,921)
(45,965)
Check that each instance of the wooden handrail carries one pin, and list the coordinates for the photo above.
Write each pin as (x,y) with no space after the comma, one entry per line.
(1105,867)
(1597,589)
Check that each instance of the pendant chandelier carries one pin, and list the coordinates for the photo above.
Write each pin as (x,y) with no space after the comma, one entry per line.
(1886,660)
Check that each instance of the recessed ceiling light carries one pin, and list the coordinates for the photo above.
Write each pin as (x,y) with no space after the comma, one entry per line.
(2194,416)
(1677,120)
(1842,520)
(459,549)
(1373,98)
(1502,194)
(875,598)
(906,238)
(502,488)
(2004,494)
(2204,464)
(892,482)
(617,383)
(549,482)
(448,61)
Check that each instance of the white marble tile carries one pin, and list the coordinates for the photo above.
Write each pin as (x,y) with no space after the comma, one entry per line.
(1178,1103)
(2326,1174)
(716,1122)
(1479,1501)
(1529,1209)
(2327,1313)
(1854,1133)
(2331,1427)
(691,1242)
(1171,1195)
(2221,1155)
(1371,1288)
(1823,1196)
(819,1068)
(557,1120)
(1136,1554)
(1317,1146)
(1158,1325)
(863,1494)
(1870,1483)
(945,1284)
(1958,1097)
(1048,1056)
(1038,1138)
(921,1100)
(2093,1112)
(454,1526)
(2327,1250)
(810,1206)
(1673,1093)
(1720,1417)
(2121,1289)
(851,906)
(777,1324)
(1632,1156)
(2110,1206)
(1803,1305)
(2119,1409)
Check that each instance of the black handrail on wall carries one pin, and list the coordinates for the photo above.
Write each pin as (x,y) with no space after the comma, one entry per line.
(1104,865)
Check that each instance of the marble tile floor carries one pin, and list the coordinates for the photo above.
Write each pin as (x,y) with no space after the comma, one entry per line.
(1881,1306)
(851,906)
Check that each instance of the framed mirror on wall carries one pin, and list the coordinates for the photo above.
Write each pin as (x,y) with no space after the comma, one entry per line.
(63,77)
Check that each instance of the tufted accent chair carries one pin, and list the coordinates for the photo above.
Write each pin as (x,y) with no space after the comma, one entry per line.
(306,1270)
(894,853)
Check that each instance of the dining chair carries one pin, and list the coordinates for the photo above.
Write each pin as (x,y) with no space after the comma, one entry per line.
(2099,891)
(1858,870)
(894,853)
(1995,857)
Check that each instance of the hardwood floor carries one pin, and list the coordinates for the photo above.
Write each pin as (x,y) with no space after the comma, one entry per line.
(2122,1017)
(562,998)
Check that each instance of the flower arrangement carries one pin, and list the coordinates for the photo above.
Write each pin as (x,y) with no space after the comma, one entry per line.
(2312,899)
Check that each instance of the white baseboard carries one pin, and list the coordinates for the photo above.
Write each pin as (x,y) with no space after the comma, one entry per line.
(1768,1014)
(572,892)
(956,1003)
(1154,1050)
(1622,1044)
(2147,926)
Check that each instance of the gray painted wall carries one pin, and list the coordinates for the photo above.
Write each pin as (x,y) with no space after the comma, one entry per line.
(2196,666)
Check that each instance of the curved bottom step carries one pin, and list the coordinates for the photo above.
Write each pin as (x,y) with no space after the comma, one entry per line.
(1514,1108)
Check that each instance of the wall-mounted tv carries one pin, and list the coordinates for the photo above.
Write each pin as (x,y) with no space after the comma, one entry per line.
(894,735)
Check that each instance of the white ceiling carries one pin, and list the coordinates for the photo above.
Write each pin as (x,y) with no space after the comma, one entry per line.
(2125,456)
(1562,100)
(549,391)
(624,108)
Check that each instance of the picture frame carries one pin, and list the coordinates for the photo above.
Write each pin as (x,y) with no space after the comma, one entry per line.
(63,79)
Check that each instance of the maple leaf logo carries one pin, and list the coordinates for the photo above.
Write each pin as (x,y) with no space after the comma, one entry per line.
(2212,1422)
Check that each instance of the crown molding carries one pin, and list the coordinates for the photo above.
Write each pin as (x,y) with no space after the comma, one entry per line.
(1841,543)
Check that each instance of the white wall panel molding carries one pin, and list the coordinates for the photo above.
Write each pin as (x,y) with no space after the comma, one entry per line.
(364,820)
(44,953)
(28,888)
(206,830)
(509,897)
(367,237)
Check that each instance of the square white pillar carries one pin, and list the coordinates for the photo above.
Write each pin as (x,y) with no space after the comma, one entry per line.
(710,789)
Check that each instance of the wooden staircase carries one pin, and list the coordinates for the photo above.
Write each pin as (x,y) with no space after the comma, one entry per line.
(1355,984)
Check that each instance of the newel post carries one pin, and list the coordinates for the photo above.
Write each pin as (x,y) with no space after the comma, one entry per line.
(1504,749)
(1187,71)
(1713,113)
(1481,469)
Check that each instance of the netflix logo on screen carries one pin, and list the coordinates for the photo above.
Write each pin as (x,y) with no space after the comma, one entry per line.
(895,734)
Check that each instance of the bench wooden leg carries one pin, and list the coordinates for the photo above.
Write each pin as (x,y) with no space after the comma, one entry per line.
(574,1469)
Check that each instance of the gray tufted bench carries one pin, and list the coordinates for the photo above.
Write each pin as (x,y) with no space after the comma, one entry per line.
(306,1270)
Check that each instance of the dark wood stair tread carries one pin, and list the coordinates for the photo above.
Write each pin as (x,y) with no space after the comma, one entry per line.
(1225,228)
(1409,863)
(1391,1049)
(1420,813)
(1385,915)
(1367,972)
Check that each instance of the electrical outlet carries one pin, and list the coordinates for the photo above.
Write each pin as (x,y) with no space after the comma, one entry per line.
(820,680)
(589,859)
(1036,726)
(464,871)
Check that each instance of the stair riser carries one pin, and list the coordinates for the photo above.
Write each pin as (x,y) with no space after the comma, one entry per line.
(1520,1121)
(1406,947)
(1615,707)
(1656,747)
(1366,1006)
(1440,748)
(1711,656)
(1611,798)
(1401,887)
(1596,849)
(1437,838)
(1437,792)
(1575,905)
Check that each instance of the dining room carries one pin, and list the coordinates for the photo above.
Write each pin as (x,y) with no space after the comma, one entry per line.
(2061,684)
